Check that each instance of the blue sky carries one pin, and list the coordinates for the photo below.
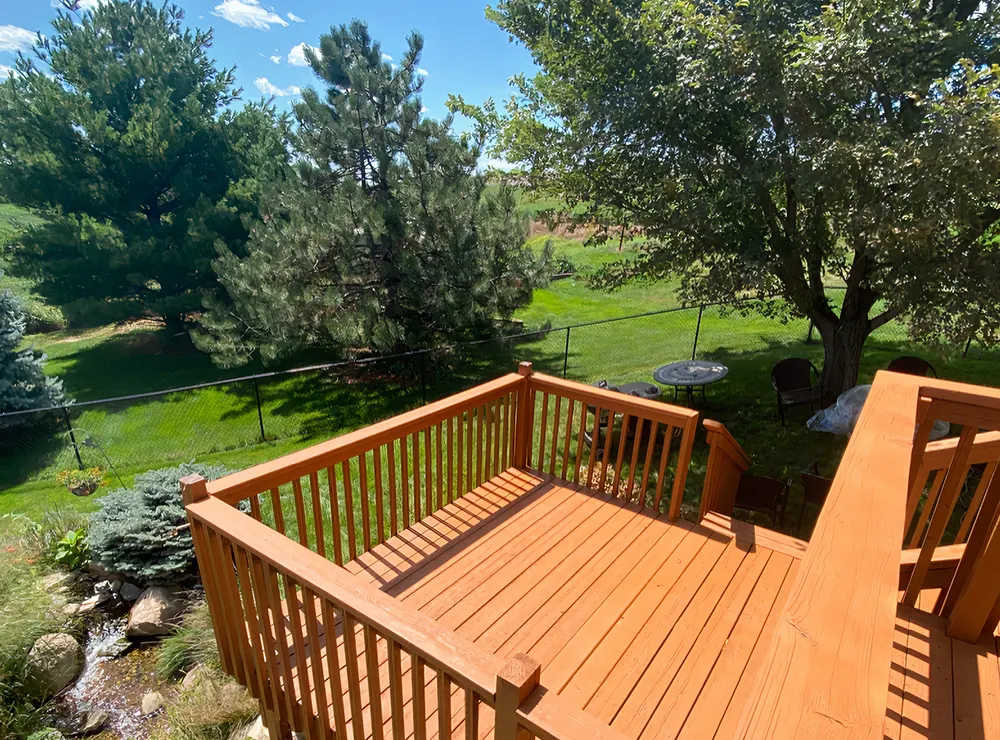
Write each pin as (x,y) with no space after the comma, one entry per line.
(463,52)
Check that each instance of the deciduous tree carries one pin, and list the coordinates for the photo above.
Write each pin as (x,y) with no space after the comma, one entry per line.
(770,147)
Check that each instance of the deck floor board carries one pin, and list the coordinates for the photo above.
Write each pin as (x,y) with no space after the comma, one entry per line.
(656,628)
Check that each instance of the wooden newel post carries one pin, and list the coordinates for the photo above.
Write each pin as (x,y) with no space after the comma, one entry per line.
(193,488)
(515,682)
(525,423)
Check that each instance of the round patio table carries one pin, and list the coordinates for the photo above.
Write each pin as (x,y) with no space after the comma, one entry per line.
(690,374)
(642,390)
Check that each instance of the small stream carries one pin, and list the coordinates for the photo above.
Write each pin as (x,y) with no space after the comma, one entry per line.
(116,675)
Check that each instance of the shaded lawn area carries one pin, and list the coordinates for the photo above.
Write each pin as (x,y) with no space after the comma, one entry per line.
(220,424)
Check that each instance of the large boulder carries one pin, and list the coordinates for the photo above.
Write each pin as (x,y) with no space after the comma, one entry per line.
(53,664)
(154,614)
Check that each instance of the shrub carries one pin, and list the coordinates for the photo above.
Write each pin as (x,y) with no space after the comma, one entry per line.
(72,551)
(193,643)
(212,710)
(26,613)
(141,531)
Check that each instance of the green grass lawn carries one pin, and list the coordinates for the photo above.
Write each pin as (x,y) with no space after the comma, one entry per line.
(220,424)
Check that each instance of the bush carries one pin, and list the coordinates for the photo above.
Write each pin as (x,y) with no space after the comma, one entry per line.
(211,710)
(193,643)
(141,531)
(26,613)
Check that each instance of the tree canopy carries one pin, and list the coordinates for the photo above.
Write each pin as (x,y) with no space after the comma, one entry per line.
(387,239)
(118,132)
(769,148)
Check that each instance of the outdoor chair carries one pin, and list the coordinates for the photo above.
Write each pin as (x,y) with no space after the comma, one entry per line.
(814,488)
(764,495)
(793,381)
(912,366)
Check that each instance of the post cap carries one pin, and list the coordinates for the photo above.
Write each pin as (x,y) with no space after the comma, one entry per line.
(193,488)
(524,369)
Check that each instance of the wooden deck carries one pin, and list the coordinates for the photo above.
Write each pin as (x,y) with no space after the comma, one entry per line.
(653,627)
(941,688)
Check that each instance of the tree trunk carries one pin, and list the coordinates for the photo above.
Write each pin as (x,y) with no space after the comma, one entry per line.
(843,343)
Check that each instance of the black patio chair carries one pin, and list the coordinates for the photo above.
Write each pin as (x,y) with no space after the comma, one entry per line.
(814,488)
(793,380)
(912,366)
(763,494)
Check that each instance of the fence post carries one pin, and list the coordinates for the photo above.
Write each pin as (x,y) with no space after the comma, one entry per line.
(697,331)
(260,414)
(515,682)
(423,378)
(72,437)
(566,354)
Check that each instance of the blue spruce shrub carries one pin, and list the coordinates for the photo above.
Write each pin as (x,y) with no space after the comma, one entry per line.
(140,531)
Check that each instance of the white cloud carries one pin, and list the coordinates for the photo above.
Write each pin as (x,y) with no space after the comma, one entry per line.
(492,163)
(248,14)
(5,71)
(386,57)
(80,4)
(422,72)
(295,19)
(297,54)
(269,88)
(424,109)
(276,58)
(14,38)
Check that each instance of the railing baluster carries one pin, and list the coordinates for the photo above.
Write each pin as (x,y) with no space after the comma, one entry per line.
(374,687)
(932,496)
(391,473)
(650,447)
(255,506)
(595,440)
(419,699)
(555,436)
(460,434)
(977,500)
(639,425)
(668,439)
(439,470)
(255,631)
(470,475)
(415,443)
(606,452)
(480,433)
(471,715)
(353,676)
(428,487)
(352,537)
(379,505)
(569,434)
(508,440)
(366,526)
(312,622)
(273,626)
(333,668)
(405,482)
(337,534)
(281,639)
(301,656)
(488,444)
(580,436)
(451,459)
(622,439)
(444,705)
(497,435)
(300,513)
(542,432)
(276,511)
(317,513)
(396,689)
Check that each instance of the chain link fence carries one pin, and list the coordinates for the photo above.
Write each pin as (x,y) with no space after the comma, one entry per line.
(243,421)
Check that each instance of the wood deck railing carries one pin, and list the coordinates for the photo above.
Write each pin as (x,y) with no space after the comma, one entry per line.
(727,461)
(319,647)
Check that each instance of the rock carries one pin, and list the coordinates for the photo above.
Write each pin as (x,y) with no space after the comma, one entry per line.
(53,664)
(116,585)
(130,592)
(194,676)
(152,702)
(116,649)
(154,614)
(71,610)
(89,723)
(253,731)
(58,581)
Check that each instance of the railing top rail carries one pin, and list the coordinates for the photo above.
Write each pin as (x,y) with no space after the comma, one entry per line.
(550,717)
(733,447)
(826,671)
(268,475)
(463,660)
(657,410)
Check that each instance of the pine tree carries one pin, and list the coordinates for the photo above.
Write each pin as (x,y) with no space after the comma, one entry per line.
(389,238)
(119,131)
(23,383)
